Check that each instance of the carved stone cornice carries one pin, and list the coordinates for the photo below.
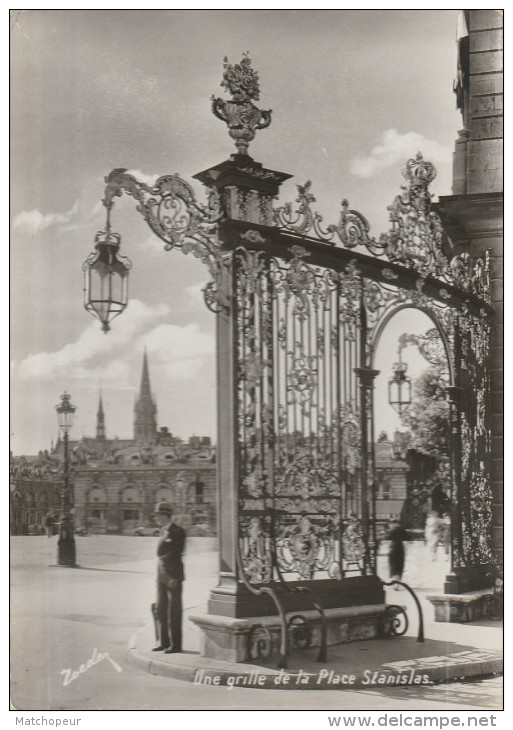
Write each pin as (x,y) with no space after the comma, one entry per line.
(471,216)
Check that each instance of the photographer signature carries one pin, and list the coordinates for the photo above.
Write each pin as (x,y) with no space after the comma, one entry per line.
(97,657)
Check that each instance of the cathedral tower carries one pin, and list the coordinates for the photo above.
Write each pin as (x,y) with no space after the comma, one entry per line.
(100,422)
(145,411)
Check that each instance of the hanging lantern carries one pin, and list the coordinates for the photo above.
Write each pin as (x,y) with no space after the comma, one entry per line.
(106,277)
(399,388)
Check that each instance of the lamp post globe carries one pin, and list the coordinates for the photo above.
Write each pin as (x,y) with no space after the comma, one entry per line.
(66,545)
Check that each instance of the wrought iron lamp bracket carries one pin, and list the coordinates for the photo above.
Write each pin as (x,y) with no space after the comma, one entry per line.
(170,209)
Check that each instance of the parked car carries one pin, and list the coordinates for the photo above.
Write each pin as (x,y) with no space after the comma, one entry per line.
(36,530)
(152,530)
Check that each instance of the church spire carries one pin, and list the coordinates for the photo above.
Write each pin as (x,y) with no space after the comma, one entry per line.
(145,411)
(100,421)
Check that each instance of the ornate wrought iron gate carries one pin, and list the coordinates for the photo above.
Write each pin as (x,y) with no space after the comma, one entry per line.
(301,307)
(307,328)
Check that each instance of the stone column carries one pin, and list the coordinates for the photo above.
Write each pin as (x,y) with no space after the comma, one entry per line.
(246,190)
(473,219)
(473,216)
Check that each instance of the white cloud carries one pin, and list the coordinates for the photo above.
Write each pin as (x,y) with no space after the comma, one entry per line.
(95,357)
(79,360)
(182,350)
(195,293)
(393,147)
(153,244)
(33,221)
(142,177)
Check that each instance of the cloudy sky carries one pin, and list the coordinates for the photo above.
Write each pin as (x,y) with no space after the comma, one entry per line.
(353,94)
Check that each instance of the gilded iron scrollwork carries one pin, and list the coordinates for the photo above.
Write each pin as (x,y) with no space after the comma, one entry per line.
(172,212)
(415,240)
(298,336)
(354,542)
(475,494)
(305,547)
(382,299)
(255,554)
(429,345)
(305,420)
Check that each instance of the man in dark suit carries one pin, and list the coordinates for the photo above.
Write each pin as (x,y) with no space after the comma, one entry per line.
(170,577)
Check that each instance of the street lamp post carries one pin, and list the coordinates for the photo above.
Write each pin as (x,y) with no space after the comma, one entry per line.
(66,546)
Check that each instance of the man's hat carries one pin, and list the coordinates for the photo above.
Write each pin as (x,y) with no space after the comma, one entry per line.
(164,508)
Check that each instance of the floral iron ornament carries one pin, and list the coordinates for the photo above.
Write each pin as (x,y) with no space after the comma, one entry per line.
(415,239)
(243,118)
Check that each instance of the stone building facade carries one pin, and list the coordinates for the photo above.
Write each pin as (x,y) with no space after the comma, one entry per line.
(113,499)
(35,485)
(473,214)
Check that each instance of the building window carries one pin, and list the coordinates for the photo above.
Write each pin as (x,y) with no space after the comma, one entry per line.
(199,488)
(97,494)
(130,514)
(384,489)
(96,514)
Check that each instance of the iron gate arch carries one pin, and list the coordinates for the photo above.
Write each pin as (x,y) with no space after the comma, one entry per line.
(376,337)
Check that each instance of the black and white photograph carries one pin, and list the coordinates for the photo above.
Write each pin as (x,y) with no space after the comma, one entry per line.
(256,413)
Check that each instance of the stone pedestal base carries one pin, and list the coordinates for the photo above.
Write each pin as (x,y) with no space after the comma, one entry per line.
(462,607)
(465,580)
(243,639)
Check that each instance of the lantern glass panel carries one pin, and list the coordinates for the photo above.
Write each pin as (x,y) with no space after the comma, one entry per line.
(65,413)
(399,392)
(106,283)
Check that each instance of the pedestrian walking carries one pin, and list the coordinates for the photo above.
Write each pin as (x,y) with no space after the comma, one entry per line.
(440,502)
(432,533)
(438,522)
(170,576)
(49,525)
(396,537)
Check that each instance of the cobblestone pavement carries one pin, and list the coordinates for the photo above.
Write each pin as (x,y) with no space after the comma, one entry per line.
(61,618)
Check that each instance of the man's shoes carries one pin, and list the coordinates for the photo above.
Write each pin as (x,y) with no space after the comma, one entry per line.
(172,650)
(160,648)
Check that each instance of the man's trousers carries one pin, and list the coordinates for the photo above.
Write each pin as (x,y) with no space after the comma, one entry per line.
(169,611)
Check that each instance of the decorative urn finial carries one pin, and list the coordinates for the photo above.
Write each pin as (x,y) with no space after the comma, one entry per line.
(240,114)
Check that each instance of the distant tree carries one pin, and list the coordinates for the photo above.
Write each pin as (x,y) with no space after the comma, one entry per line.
(427,418)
